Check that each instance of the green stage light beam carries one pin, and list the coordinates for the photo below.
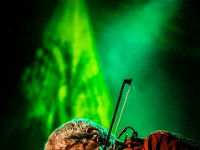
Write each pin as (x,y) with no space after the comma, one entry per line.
(133,37)
(65,80)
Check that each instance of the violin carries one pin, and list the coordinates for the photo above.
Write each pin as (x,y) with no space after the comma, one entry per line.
(169,140)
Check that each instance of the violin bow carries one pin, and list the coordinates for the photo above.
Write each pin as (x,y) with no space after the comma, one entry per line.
(126,81)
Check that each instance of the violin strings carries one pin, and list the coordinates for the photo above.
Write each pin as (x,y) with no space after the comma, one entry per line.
(122,110)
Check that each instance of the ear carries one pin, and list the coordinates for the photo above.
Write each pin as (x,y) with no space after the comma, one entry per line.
(91,130)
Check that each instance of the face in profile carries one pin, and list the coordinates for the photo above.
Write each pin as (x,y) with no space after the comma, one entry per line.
(77,134)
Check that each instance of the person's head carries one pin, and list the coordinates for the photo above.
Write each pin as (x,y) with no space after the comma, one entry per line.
(78,134)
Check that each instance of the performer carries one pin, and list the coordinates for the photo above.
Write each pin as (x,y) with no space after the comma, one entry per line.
(78,134)
(84,134)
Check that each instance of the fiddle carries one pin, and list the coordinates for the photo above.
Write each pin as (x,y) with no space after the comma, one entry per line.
(162,140)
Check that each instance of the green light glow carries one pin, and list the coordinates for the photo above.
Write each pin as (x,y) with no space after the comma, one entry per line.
(65,81)
(132,39)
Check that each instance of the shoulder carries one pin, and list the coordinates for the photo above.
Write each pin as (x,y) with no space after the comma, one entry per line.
(164,140)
